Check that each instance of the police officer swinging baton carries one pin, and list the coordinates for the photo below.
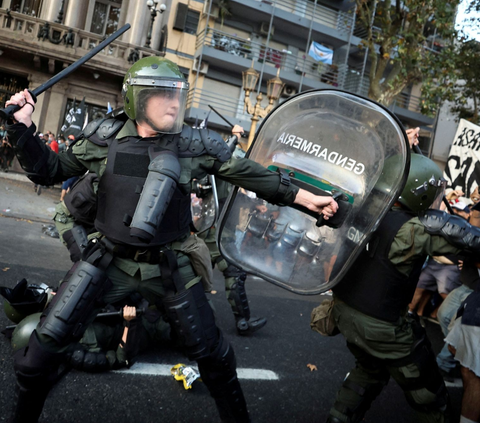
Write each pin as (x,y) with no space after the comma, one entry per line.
(8,112)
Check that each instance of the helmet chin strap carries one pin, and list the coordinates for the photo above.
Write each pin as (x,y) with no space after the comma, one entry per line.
(151,126)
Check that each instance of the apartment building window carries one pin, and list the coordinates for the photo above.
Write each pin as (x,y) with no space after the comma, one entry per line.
(191,23)
(28,7)
(105,16)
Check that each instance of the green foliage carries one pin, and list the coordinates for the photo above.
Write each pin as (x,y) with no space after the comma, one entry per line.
(400,46)
(467,90)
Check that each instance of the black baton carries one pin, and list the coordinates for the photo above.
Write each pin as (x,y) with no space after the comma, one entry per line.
(225,120)
(8,112)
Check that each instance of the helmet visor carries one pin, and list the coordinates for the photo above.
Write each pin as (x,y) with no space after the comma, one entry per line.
(161,108)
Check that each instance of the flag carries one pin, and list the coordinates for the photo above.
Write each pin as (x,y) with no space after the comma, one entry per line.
(74,120)
(463,164)
(321,53)
(203,123)
(109,108)
(196,122)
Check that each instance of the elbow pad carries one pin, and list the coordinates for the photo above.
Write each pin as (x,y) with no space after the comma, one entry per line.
(162,179)
(456,230)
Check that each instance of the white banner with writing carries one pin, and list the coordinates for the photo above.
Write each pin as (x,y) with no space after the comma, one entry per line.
(463,165)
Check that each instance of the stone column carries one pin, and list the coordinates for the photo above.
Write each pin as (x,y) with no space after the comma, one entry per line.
(56,106)
(50,10)
(35,80)
(76,14)
(139,18)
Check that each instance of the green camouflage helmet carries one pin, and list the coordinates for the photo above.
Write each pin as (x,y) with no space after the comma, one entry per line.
(24,330)
(150,72)
(424,184)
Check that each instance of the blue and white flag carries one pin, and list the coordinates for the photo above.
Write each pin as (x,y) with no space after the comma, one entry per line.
(321,53)
(109,107)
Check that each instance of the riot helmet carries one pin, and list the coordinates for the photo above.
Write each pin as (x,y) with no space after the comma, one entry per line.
(24,330)
(425,185)
(154,93)
(25,299)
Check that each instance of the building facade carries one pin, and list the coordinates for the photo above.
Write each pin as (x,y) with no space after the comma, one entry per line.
(212,42)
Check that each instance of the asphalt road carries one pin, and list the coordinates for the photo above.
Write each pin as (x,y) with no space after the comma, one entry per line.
(284,348)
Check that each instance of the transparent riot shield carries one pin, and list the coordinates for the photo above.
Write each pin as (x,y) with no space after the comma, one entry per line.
(330,143)
(204,203)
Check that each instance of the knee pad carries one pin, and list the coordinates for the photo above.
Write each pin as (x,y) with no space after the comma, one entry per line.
(425,392)
(192,318)
(71,308)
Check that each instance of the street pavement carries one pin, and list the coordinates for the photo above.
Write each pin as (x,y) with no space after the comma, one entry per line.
(278,384)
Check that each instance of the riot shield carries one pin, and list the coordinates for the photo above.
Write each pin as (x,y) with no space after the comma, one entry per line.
(330,143)
(204,203)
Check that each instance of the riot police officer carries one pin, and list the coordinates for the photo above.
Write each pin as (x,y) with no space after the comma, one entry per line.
(371,302)
(145,161)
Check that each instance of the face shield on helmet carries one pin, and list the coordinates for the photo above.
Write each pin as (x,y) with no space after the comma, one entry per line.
(161,107)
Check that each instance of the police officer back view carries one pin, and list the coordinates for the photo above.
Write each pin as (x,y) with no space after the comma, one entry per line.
(145,162)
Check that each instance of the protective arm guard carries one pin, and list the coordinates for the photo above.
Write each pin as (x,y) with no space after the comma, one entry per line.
(456,230)
(32,153)
(76,240)
(162,179)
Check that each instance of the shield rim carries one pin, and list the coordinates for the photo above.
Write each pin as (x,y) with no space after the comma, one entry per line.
(353,257)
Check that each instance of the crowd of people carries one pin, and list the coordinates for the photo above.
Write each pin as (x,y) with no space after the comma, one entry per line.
(132,251)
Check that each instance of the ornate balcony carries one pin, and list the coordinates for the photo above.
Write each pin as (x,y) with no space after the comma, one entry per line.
(38,37)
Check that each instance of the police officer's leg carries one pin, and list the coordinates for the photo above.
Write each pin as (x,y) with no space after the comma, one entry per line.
(192,317)
(65,319)
(234,288)
(419,377)
(237,297)
(361,386)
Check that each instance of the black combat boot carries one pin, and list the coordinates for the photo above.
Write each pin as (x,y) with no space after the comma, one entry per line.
(247,327)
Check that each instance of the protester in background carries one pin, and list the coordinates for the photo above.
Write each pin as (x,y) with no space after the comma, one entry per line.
(70,140)
(6,154)
(53,144)
(62,146)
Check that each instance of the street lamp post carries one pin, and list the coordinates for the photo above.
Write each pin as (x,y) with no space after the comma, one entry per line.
(152,4)
(60,13)
(274,89)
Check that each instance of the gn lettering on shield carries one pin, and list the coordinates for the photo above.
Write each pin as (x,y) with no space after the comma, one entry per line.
(354,235)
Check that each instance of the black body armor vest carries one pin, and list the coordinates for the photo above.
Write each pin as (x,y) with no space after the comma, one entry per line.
(373,285)
(119,192)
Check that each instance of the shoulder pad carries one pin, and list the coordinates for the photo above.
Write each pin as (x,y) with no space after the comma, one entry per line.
(92,127)
(106,130)
(195,142)
(456,230)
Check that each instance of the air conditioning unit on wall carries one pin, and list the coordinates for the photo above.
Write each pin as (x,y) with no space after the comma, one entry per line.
(264,28)
(203,67)
(289,91)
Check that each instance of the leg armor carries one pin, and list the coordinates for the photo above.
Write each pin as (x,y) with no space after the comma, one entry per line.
(420,379)
(219,374)
(192,318)
(74,303)
(36,370)
(359,389)
(237,297)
